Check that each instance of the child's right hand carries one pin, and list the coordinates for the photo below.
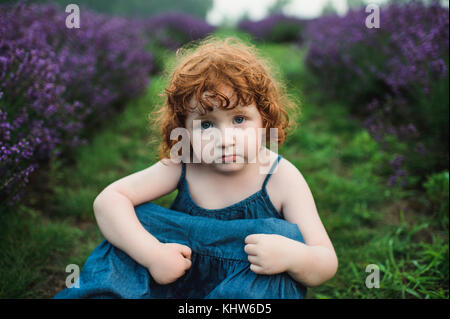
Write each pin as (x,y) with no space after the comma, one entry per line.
(172,262)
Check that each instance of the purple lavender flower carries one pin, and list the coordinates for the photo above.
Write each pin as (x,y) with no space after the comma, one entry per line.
(55,82)
(395,77)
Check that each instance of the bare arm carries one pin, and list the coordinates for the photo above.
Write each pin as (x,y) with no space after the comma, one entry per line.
(115,214)
(311,263)
(314,262)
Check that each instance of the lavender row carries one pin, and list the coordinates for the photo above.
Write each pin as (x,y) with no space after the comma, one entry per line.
(56,82)
(275,28)
(394,77)
(173,29)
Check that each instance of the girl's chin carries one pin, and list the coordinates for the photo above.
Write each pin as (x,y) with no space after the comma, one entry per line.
(228,166)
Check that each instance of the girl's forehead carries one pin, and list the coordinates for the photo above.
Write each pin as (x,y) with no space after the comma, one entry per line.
(195,108)
(213,98)
(247,109)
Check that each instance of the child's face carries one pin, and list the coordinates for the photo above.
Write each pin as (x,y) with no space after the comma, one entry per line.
(237,131)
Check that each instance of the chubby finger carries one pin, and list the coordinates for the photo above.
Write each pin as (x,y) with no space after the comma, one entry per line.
(250,249)
(254,260)
(252,239)
(185,251)
(188,263)
(257,269)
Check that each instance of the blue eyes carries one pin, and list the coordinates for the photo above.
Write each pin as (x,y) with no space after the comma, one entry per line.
(239,117)
(207,124)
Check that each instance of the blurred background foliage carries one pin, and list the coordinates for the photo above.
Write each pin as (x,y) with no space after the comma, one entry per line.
(136,8)
(372,141)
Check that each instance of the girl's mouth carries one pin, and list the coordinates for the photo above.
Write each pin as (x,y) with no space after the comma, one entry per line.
(229,158)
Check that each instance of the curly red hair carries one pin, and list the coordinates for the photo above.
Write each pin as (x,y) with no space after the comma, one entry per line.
(210,63)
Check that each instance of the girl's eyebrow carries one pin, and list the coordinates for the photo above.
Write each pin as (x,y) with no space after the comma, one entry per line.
(201,116)
(234,111)
(240,110)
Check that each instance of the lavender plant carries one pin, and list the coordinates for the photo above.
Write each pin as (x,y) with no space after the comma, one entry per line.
(275,28)
(172,29)
(56,82)
(395,77)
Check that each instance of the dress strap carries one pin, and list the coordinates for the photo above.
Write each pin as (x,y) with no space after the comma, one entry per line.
(271,170)
(183,174)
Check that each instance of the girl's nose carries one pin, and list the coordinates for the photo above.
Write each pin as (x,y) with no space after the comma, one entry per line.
(228,137)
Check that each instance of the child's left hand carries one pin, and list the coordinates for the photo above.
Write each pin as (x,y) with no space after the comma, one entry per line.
(269,253)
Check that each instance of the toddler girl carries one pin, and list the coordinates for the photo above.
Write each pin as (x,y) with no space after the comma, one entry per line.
(243,224)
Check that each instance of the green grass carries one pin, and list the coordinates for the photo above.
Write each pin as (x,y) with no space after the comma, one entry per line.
(367,222)
(58,228)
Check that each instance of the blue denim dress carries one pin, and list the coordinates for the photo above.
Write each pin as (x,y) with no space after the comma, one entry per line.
(220,268)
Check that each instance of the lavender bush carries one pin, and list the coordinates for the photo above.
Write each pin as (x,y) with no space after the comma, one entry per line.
(395,77)
(56,82)
(275,28)
(168,31)
(172,29)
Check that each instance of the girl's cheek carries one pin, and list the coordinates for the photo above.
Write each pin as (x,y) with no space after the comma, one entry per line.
(196,143)
(251,143)
(204,144)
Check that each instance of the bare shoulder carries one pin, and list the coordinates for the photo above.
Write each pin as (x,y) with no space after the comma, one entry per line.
(169,170)
(280,182)
(298,204)
(150,183)
(289,172)
(170,164)
(286,172)
(288,180)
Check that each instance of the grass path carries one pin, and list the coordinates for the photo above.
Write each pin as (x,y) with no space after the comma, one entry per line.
(367,223)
